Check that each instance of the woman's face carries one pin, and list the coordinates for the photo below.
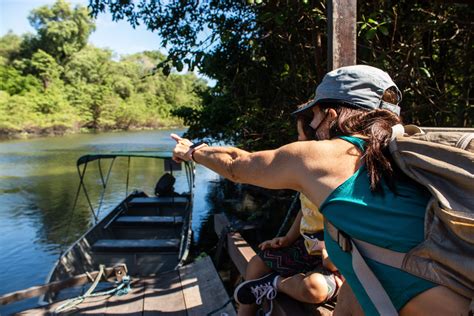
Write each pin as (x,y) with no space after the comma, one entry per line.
(300,128)
(320,123)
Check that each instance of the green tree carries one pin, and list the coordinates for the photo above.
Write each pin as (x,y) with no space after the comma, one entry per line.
(13,82)
(428,48)
(45,67)
(90,65)
(61,30)
(267,57)
(52,82)
(9,46)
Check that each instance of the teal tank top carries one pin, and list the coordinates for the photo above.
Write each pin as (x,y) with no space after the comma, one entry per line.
(387,219)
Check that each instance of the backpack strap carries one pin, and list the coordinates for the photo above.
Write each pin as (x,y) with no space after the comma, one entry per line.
(403,130)
(360,249)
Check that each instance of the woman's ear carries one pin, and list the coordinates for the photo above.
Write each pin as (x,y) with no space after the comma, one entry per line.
(331,114)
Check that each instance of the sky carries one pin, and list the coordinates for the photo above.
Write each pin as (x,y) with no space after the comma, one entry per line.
(118,36)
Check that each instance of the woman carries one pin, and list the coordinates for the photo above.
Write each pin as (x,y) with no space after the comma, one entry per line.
(348,174)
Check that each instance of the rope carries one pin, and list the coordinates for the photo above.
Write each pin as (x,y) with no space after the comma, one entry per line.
(289,214)
(123,288)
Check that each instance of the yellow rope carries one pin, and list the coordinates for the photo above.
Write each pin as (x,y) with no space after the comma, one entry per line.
(78,300)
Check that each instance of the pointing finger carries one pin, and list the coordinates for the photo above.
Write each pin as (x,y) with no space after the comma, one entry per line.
(175,137)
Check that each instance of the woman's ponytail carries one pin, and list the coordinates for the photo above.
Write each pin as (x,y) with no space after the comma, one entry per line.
(376,125)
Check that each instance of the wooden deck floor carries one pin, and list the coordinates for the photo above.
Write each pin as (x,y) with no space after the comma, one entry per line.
(195,289)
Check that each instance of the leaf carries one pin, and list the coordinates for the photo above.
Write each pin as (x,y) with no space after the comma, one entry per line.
(383,30)
(426,72)
(166,70)
(373,21)
(279,19)
(370,34)
(179,65)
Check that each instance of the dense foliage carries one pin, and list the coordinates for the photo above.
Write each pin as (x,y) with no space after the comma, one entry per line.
(53,81)
(268,56)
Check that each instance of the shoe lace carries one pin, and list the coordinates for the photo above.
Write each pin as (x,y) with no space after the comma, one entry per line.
(263,290)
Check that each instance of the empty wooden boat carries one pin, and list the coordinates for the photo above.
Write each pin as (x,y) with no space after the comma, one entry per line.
(151,234)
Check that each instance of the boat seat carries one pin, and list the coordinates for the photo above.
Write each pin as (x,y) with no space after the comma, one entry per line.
(149,220)
(180,200)
(125,245)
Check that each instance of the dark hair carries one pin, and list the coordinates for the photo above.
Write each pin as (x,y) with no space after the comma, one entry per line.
(376,126)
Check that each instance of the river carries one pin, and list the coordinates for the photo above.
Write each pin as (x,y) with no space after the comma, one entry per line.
(37,189)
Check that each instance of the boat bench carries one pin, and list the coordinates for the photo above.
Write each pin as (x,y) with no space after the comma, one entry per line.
(149,220)
(159,200)
(126,245)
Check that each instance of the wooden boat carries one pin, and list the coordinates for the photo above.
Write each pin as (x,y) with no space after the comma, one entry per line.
(150,234)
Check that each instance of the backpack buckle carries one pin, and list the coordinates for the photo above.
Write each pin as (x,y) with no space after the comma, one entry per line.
(344,241)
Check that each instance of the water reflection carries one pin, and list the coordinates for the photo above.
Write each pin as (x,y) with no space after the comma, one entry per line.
(38,183)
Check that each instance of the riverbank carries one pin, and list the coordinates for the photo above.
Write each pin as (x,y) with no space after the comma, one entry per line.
(60,130)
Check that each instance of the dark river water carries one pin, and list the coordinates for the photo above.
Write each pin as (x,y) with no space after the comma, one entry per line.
(38,183)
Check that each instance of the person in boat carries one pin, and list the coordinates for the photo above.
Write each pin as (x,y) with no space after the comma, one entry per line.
(349,176)
(297,257)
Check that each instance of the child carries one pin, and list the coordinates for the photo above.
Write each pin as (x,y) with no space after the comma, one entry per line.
(293,263)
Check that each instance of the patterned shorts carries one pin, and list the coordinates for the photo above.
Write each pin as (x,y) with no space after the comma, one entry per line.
(291,260)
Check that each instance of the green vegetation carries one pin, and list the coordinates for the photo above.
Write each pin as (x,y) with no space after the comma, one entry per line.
(268,56)
(54,82)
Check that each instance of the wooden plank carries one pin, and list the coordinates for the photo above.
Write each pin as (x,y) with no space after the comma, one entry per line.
(143,220)
(202,289)
(53,287)
(160,200)
(285,305)
(90,306)
(239,251)
(342,29)
(129,304)
(93,306)
(164,296)
(136,245)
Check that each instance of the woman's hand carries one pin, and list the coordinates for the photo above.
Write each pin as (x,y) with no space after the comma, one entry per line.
(181,149)
(277,242)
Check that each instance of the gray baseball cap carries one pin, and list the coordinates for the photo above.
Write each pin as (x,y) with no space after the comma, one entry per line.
(357,86)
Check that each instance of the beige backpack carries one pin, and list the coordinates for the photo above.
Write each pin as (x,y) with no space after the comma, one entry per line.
(444,163)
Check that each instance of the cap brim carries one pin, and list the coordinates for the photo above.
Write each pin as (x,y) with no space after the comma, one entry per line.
(305,106)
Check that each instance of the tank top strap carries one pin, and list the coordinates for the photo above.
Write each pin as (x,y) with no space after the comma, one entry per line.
(359,142)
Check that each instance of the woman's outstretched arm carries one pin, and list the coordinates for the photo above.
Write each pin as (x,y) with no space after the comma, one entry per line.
(281,168)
